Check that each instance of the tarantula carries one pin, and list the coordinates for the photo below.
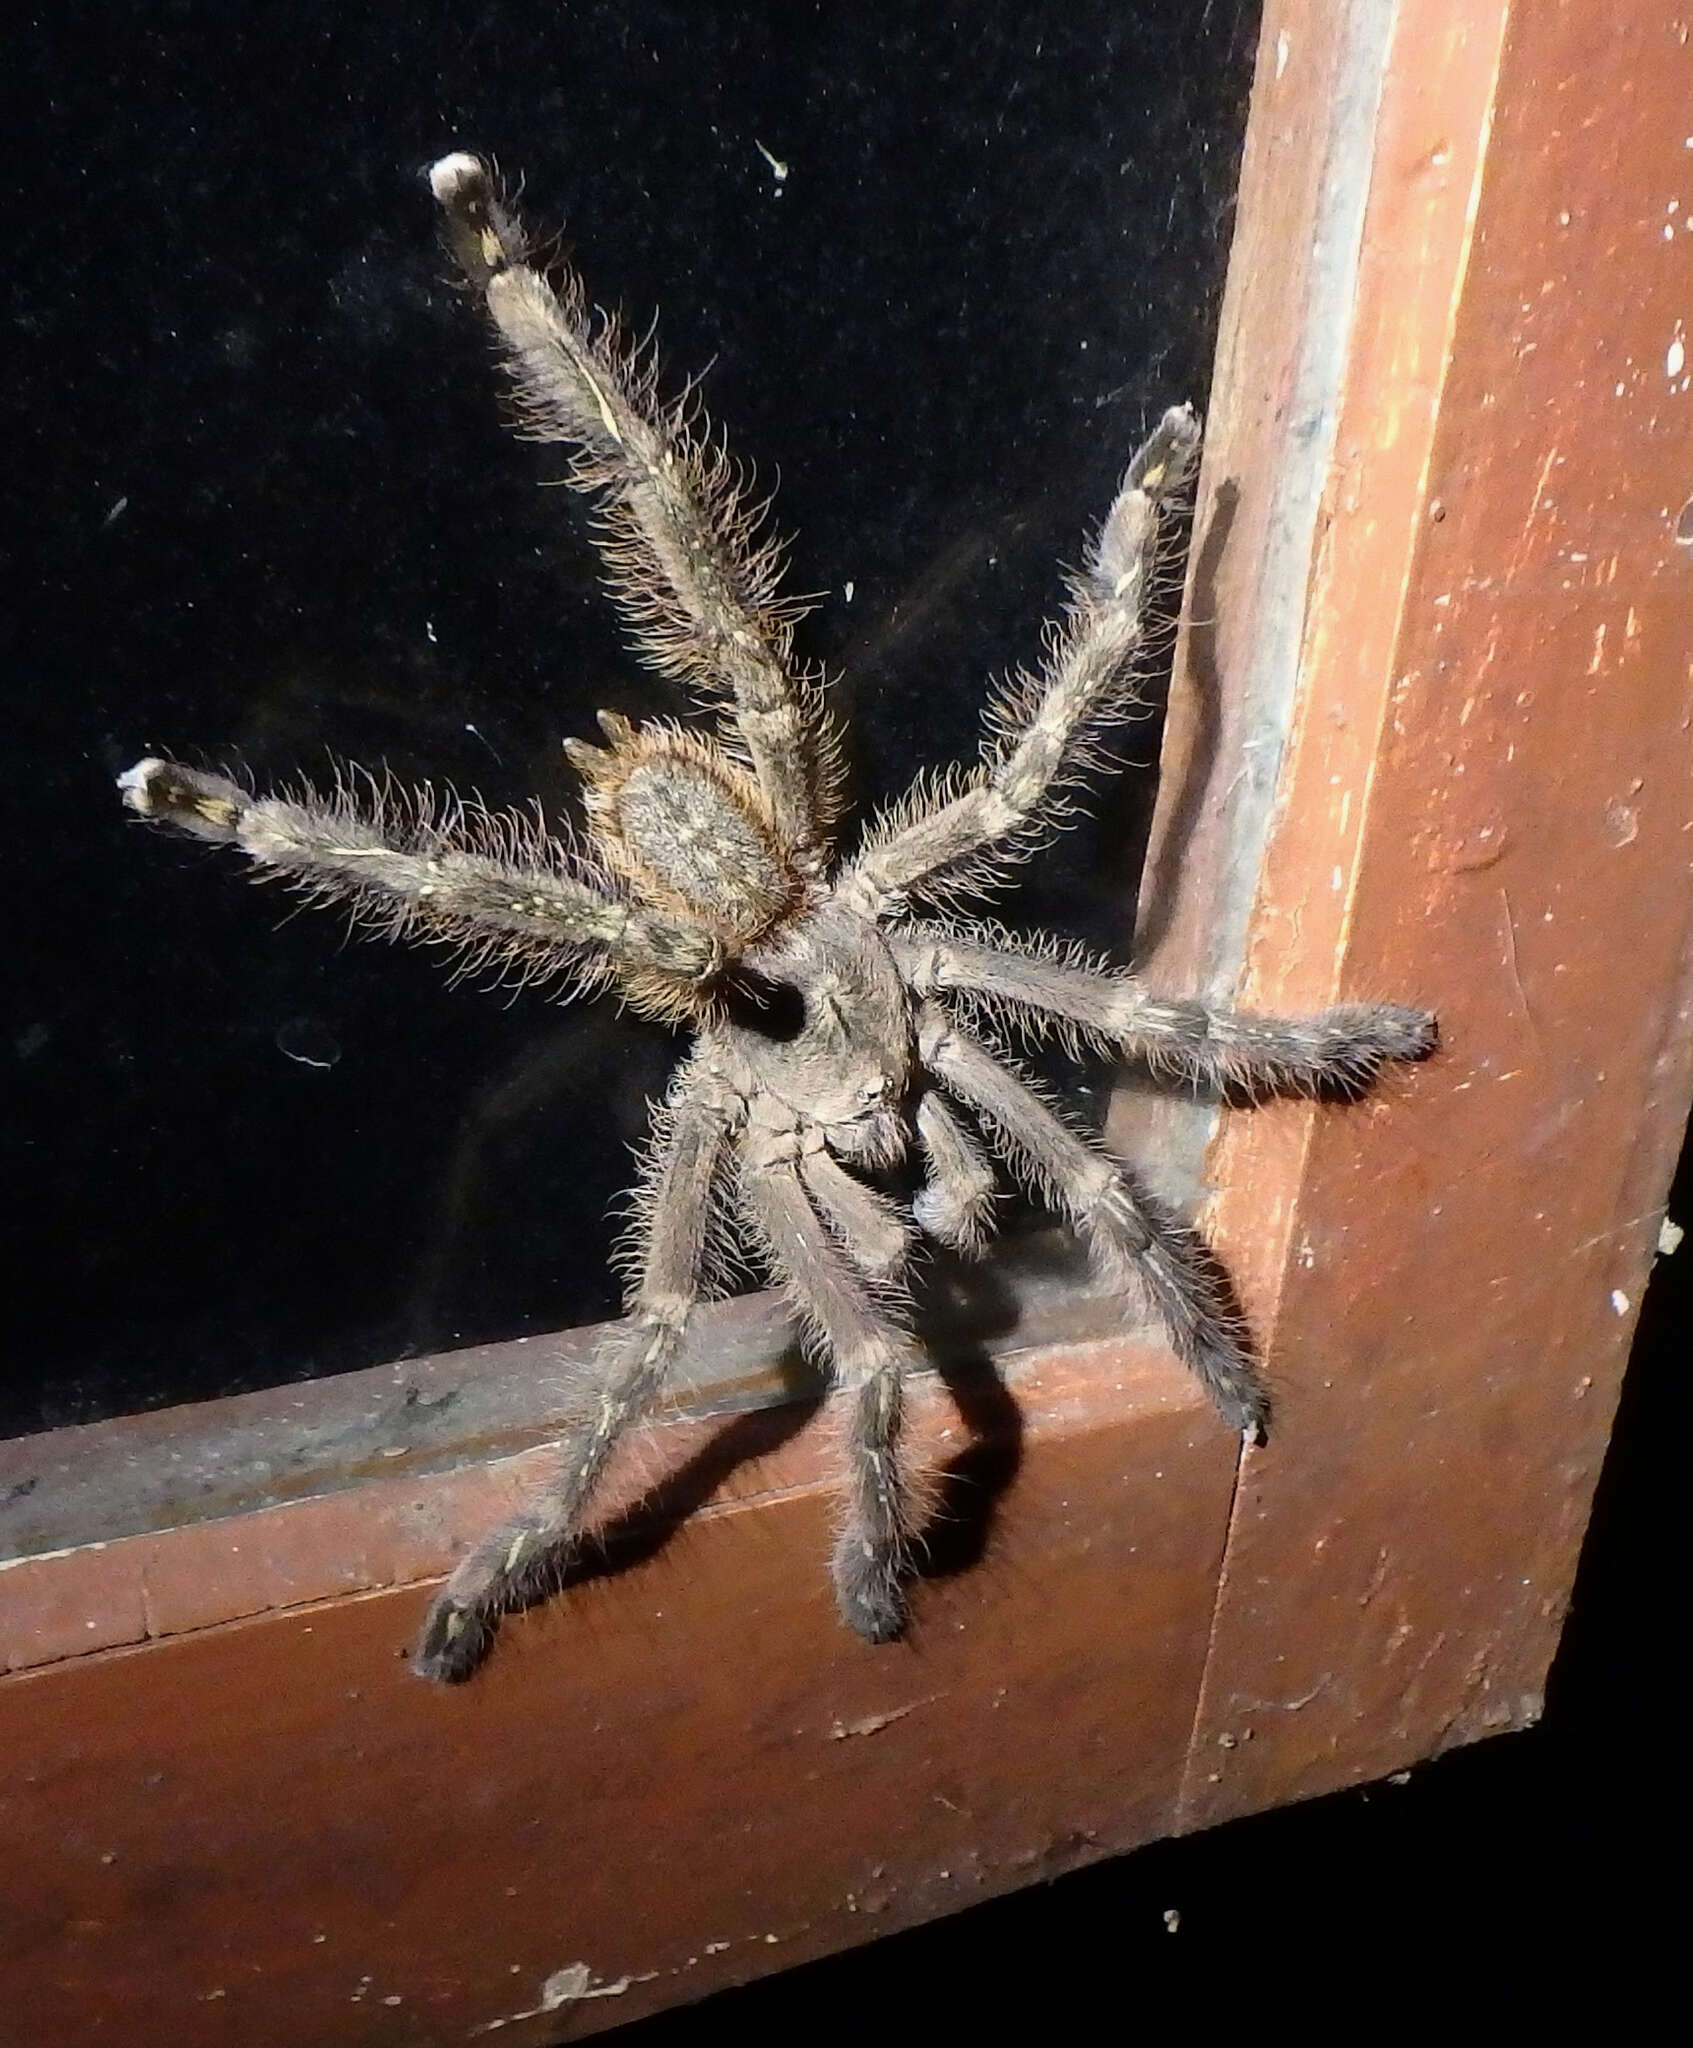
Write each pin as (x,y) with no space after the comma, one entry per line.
(830,1025)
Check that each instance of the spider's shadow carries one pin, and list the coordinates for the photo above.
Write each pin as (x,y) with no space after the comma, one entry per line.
(1206,712)
(960,1309)
(965,1490)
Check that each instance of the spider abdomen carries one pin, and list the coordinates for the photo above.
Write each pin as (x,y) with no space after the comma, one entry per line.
(680,831)
(687,827)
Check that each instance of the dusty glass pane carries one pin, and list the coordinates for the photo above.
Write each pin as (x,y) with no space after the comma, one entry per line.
(947,264)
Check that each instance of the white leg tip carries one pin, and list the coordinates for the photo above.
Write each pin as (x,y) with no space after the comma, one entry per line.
(137,784)
(450,177)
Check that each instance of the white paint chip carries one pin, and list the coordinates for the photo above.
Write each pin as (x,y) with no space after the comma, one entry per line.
(1620,1303)
(1675,358)
(564,1987)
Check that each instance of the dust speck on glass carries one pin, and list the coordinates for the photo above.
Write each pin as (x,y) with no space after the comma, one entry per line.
(848,1088)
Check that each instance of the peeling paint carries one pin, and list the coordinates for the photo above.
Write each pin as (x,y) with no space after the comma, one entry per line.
(873,1724)
(565,1987)
(8,1564)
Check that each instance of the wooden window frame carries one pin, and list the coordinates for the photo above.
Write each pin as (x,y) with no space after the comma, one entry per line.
(1429,739)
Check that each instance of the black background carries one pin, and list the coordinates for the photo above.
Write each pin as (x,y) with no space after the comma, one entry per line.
(261,507)
(269,512)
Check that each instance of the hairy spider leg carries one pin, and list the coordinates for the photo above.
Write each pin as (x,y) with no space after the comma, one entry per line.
(1128,1234)
(493,884)
(679,540)
(505,1569)
(867,1226)
(870,1354)
(955,1202)
(1040,726)
(1338,1051)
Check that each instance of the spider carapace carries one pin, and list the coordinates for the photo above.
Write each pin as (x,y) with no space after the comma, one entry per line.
(705,869)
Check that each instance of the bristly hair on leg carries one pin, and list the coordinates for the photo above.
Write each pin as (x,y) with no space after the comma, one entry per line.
(959,839)
(1037,987)
(679,533)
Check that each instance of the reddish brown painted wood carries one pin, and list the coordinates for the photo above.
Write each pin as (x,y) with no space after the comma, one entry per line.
(1485,804)
(147,1526)
(269,1832)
